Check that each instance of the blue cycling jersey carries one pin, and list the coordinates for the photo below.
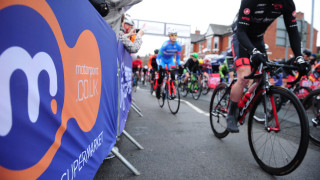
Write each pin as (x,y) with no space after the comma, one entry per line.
(167,52)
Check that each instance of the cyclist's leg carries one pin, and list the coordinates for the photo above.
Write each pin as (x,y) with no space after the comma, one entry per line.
(187,75)
(173,71)
(243,68)
(160,68)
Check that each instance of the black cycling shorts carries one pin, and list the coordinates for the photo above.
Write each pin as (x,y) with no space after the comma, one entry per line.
(240,55)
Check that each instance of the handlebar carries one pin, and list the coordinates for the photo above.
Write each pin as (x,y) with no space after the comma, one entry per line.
(269,66)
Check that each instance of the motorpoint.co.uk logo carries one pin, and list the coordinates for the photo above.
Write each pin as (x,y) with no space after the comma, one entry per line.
(43,84)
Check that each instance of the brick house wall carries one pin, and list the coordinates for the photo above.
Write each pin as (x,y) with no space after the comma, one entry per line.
(278,52)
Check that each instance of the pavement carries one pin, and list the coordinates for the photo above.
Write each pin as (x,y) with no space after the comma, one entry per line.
(182,146)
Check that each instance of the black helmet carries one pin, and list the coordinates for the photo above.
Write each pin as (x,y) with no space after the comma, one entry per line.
(306,52)
(156,51)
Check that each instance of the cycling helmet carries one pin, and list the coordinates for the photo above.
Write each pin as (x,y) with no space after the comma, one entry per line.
(200,61)
(128,20)
(172,31)
(306,52)
(156,51)
(145,67)
(195,55)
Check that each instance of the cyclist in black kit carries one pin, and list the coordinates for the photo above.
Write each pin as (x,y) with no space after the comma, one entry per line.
(254,17)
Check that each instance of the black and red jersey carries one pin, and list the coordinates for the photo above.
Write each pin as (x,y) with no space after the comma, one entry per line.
(255,16)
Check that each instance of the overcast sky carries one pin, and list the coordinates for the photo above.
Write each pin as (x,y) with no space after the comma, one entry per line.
(199,14)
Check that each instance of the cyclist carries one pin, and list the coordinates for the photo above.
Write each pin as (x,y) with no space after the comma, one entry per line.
(144,73)
(254,18)
(153,66)
(227,67)
(169,49)
(136,67)
(192,65)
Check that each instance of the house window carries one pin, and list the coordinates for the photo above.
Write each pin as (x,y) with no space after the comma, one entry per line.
(191,47)
(229,41)
(282,32)
(209,44)
(199,47)
(216,43)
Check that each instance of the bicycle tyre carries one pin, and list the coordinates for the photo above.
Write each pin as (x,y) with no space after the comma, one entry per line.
(196,90)
(151,87)
(272,165)
(297,92)
(184,90)
(214,116)
(174,106)
(311,105)
(162,98)
(205,88)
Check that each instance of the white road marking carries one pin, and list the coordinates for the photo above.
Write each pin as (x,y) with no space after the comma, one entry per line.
(187,102)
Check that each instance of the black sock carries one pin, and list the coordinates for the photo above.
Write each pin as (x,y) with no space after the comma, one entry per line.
(233,106)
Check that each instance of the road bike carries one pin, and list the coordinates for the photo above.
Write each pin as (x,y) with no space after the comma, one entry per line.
(135,82)
(169,91)
(279,144)
(194,87)
(204,85)
(312,106)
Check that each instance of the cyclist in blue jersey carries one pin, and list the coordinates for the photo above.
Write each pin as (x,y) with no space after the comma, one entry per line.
(165,57)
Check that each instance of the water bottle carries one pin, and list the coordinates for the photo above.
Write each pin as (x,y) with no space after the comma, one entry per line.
(244,100)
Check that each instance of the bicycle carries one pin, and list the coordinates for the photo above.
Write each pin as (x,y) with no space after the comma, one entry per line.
(135,82)
(194,87)
(204,85)
(312,106)
(280,143)
(154,83)
(169,92)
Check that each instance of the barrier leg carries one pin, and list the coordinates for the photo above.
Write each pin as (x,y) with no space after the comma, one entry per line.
(134,104)
(132,139)
(136,110)
(125,162)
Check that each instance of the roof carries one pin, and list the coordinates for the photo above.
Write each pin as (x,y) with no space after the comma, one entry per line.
(220,30)
(197,38)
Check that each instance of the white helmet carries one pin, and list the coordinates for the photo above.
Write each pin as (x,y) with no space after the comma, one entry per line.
(128,20)
(172,31)
(266,46)
(145,67)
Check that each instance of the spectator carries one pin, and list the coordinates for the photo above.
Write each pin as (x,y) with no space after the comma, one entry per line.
(130,37)
(114,16)
(100,6)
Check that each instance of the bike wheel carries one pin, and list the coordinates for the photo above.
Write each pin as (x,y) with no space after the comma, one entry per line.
(151,87)
(183,89)
(302,92)
(259,117)
(218,110)
(279,152)
(196,90)
(312,106)
(162,98)
(205,87)
(174,100)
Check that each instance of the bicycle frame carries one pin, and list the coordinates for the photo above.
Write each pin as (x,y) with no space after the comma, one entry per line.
(261,88)
(167,79)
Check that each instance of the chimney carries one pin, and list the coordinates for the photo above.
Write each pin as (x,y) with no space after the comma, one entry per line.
(197,31)
(300,15)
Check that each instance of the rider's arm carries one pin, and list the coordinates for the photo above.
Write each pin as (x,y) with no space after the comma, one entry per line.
(187,64)
(244,19)
(222,67)
(178,54)
(290,21)
(161,51)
